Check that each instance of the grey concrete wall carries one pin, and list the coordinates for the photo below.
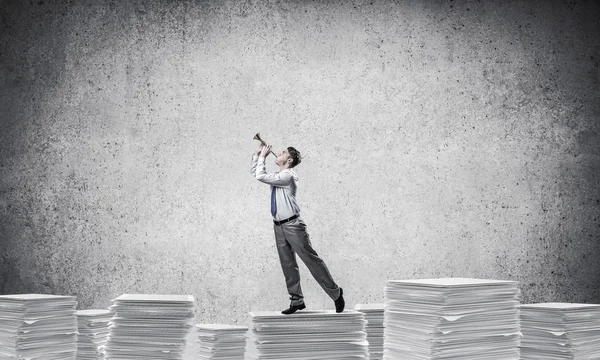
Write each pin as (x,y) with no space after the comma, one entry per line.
(439,139)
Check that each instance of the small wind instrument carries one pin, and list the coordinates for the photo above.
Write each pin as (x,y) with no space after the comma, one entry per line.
(257,137)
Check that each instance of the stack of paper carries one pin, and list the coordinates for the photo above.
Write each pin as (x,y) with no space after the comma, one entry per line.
(220,341)
(149,327)
(560,331)
(37,327)
(92,329)
(452,318)
(308,335)
(374,315)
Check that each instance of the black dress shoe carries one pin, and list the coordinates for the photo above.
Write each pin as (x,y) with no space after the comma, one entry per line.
(293,309)
(340,303)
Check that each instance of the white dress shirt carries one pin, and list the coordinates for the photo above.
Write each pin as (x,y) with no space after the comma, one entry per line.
(285,183)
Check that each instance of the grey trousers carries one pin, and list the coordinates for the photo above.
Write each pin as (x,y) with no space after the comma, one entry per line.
(292,239)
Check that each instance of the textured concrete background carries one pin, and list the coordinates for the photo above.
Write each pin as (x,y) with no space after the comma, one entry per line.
(438,139)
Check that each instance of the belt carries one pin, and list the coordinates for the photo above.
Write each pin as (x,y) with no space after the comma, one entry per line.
(285,220)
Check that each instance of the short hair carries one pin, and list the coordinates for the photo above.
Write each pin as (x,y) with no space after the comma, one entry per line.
(295,154)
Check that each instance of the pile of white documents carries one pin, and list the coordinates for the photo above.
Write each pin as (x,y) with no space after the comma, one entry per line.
(560,331)
(452,318)
(92,331)
(38,327)
(308,335)
(220,341)
(374,316)
(149,327)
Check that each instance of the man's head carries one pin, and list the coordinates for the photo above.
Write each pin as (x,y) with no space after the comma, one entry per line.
(288,158)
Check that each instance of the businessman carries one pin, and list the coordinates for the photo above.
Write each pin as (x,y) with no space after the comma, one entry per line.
(290,230)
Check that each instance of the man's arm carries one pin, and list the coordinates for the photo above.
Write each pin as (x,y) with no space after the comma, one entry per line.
(279,179)
(253,165)
(255,160)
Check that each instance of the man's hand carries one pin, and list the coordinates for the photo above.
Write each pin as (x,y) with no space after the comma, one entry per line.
(257,152)
(265,151)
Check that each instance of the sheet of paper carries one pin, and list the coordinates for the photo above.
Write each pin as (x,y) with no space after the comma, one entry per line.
(38,326)
(316,334)
(451,318)
(560,331)
(149,326)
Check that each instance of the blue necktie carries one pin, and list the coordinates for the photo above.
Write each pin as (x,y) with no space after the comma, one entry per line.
(273,203)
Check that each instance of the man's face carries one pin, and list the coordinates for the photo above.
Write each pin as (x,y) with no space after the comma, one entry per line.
(282,158)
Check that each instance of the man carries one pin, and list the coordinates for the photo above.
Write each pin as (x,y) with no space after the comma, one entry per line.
(290,230)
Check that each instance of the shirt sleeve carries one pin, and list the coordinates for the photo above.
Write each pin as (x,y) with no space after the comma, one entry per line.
(253,165)
(275,179)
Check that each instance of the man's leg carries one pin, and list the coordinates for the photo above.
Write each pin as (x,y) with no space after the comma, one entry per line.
(287,258)
(296,235)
